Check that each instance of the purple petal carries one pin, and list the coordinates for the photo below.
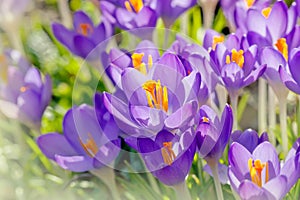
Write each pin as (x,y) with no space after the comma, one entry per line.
(256,22)
(146,18)
(181,116)
(148,48)
(249,190)
(52,144)
(277,20)
(65,36)
(288,80)
(294,66)
(292,17)
(83,46)
(108,152)
(277,187)
(238,157)
(75,163)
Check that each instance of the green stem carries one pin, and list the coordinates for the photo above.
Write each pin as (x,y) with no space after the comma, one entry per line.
(283,124)
(214,169)
(182,191)
(107,176)
(271,115)
(262,107)
(234,102)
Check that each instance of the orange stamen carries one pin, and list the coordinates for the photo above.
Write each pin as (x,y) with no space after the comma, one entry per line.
(217,40)
(157,96)
(237,57)
(168,153)
(90,147)
(137,5)
(256,169)
(282,47)
(249,3)
(85,29)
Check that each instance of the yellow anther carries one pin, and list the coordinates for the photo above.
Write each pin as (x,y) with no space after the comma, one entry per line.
(85,29)
(217,40)
(157,96)
(237,57)
(90,147)
(168,153)
(249,3)
(255,169)
(128,6)
(205,119)
(266,12)
(282,47)
(137,5)
(150,61)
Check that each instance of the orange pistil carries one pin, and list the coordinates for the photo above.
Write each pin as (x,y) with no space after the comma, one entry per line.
(282,47)
(85,29)
(266,12)
(249,3)
(157,96)
(237,57)
(168,153)
(137,62)
(217,40)
(90,147)
(256,169)
(137,5)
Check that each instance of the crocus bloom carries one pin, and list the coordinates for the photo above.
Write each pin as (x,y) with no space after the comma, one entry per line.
(234,63)
(258,175)
(85,37)
(249,138)
(236,11)
(168,157)
(83,146)
(142,59)
(268,26)
(24,89)
(164,98)
(289,72)
(213,133)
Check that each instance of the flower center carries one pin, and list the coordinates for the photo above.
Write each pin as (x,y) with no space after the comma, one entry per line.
(90,146)
(282,47)
(137,61)
(205,120)
(157,96)
(24,89)
(237,57)
(217,40)
(249,3)
(168,153)
(266,12)
(85,29)
(256,167)
(137,5)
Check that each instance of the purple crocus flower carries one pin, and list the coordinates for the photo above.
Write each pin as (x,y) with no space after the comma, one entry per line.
(170,10)
(234,63)
(85,36)
(258,175)
(266,27)
(249,138)
(213,133)
(83,146)
(168,157)
(289,72)
(142,59)
(25,91)
(164,98)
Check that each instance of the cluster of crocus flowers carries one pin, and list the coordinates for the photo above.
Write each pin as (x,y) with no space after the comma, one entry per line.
(24,93)
(157,106)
